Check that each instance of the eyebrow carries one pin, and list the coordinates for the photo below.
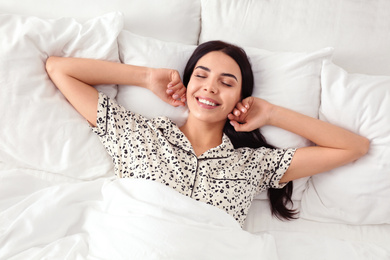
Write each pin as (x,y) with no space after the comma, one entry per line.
(223,74)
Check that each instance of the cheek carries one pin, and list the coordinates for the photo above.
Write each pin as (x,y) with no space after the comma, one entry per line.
(189,94)
(190,86)
(235,98)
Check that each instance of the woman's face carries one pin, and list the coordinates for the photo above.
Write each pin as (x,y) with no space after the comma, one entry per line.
(214,88)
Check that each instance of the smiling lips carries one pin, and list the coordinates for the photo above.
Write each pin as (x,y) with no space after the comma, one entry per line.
(207,103)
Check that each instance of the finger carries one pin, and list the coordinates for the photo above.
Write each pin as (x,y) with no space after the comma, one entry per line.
(180,93)
(174,86)
(247,102)
(239,127)
(171,90)
(236,112)
(236,125)
(241,107)
(178,98)
(176,75)
(175,78)
(177,103)
(232,117)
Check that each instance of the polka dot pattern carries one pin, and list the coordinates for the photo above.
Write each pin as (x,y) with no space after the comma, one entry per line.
(157,150)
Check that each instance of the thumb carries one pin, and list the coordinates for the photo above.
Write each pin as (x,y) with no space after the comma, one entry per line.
(239,127)
(175,77)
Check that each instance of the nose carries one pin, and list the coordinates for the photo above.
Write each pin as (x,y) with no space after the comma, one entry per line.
(211,86)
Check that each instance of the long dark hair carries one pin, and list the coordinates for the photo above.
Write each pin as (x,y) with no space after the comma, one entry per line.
(279,198)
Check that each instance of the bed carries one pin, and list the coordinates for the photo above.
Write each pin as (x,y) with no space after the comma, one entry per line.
(59,198)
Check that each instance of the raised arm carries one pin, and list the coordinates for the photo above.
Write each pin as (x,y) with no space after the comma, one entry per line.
(335,146)
(74,77)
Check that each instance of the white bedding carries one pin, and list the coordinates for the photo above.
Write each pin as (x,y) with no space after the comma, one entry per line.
(259,219)
(58,199)
(116,219)
(137,219)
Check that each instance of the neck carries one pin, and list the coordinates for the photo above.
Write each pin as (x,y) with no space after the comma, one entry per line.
(203,136)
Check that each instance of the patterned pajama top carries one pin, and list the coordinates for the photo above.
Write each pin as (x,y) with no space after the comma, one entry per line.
(157,150)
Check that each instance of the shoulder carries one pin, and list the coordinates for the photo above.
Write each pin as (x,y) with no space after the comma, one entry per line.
(165,126)
(108,106)
(264,154)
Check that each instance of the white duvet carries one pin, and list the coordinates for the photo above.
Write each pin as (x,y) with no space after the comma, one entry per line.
(117,219)
(53,218)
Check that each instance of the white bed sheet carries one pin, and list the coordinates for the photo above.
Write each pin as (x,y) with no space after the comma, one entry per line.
(115,219)
(42,216)
(260,220)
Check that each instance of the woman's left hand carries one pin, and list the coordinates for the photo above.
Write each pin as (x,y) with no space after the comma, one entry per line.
(335,146)
(250,114)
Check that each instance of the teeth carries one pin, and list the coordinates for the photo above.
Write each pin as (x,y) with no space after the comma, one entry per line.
(204,101)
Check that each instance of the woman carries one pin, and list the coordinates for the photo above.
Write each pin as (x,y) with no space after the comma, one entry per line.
(217,156)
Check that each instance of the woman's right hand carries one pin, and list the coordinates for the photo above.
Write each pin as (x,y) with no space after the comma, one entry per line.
(167,85)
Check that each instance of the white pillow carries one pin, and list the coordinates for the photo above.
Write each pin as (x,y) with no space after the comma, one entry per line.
(291,80)
(357,193)
(169,20)
(358,30)
(39,129)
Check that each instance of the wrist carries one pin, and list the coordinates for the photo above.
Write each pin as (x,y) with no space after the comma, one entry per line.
(271,112)
(148,78)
